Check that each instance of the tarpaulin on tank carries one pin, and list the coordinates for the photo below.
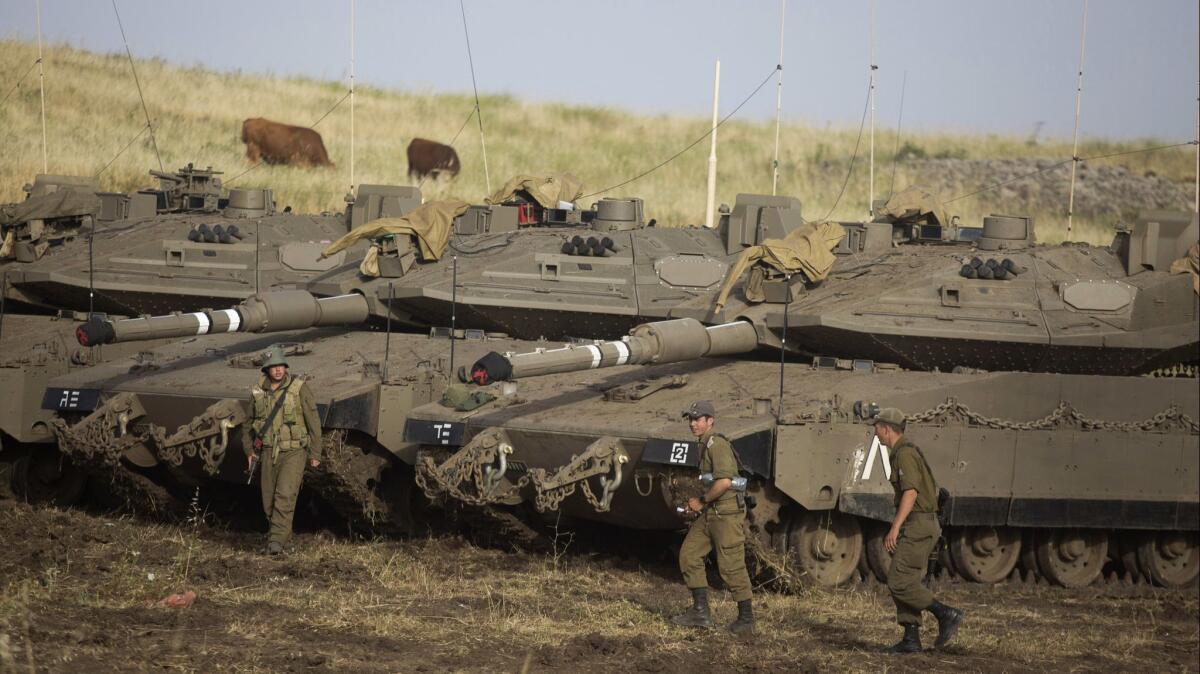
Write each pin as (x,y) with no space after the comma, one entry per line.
(546,190)
(913,203)
(1189,263)
(806,249)
(58,204)
(431,223)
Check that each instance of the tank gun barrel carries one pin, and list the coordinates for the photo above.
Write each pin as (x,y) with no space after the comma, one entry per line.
(266,312)
(650,343)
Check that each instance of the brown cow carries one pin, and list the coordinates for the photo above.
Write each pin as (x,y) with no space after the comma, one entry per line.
(276,143)
(429,157)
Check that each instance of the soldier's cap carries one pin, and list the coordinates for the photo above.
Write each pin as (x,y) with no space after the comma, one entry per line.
(272,357)
(889,415)
(700,408)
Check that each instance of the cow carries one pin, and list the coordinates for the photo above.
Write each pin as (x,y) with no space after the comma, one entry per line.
(429,157)
(276,143)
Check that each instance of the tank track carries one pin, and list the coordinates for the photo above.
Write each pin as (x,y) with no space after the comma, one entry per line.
(359,481)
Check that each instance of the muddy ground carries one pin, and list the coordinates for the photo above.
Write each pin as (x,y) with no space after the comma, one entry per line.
(79,593)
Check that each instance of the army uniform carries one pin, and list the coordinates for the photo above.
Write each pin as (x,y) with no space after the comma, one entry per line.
(288,444)
(918,535)
(721,525)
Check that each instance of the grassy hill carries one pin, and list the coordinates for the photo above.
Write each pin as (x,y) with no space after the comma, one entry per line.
(93,111)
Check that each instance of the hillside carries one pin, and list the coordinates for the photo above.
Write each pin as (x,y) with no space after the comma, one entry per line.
(93,111)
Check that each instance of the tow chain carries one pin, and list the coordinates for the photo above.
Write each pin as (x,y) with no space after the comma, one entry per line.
(472,474)
(206,436)
(1065,413)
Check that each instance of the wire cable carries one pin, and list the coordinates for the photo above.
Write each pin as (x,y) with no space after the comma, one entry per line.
(853,157)
(311,126)
(127,145)
(18,84)
(138,82)
(452,140)
(694,143)
(899,126)
(471,60)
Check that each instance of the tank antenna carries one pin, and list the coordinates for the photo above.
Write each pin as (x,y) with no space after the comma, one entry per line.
(352,95)
(871,95)
(787,301)
(3,296)
(91,270)
(453,309)
(478,111)
(1196,140)
(387,342)
(1075,134)
(899,125)
(42,85)
(257,246)
(712,151)
(136,81)
(778,103)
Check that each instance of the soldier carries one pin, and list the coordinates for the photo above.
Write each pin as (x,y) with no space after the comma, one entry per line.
(284,427)
(720,517)
(914,533)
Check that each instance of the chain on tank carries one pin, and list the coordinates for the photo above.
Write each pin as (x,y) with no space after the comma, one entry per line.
(1064,413)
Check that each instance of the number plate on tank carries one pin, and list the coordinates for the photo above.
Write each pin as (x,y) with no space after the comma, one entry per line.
(672,452)
(434,432)
(71,399)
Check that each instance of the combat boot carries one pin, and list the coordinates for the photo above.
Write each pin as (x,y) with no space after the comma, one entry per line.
(745,620)
(697,615)
(911,643)
(274,548)
(948,619)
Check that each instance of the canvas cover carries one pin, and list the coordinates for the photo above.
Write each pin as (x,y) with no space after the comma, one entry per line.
(913,203)
(806,249)
(431,224)
(58,204)
(547,190)
(1189,263)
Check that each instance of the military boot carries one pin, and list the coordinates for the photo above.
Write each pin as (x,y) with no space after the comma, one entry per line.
(911,643)
(697,615)
(745,620)
(274,548)
(948,619)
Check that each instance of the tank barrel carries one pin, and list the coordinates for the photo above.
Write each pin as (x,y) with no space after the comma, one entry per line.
(650,343)
(266,312)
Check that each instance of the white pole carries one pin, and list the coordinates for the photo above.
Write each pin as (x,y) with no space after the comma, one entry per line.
(712,152)
(778,102)
(871,94)
(1075,135)
(42,86)
(352,95)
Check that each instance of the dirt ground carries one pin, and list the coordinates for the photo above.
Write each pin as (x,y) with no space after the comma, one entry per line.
(79,593)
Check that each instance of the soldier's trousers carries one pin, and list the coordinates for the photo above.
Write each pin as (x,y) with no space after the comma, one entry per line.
(918,535)
(727,534)
(281,480)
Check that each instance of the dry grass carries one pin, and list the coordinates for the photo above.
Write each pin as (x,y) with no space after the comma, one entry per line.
(442,604)
(93,111)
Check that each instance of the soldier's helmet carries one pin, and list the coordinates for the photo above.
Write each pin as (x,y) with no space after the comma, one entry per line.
(272,357)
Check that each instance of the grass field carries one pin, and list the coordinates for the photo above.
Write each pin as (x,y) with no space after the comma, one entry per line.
(82,594)
(93,111)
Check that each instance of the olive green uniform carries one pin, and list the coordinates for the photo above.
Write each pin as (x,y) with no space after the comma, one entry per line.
(293,438)
(918,534)
(721,524)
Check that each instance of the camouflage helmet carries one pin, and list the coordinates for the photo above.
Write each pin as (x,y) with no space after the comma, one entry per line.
(889,415)
(273,356)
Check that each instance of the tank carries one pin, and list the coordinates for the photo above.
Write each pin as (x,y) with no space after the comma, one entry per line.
(1062,477)
(182,246)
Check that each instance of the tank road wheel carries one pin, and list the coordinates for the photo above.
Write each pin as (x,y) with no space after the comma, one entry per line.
(985,554)
(826,546)
(1169,558)
(1071,557)
(44,476)
(879,560)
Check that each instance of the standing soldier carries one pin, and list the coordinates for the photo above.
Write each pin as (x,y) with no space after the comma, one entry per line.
(913,535)
(720,517)
(285,429)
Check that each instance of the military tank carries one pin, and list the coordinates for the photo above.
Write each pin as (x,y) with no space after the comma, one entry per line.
(182,246)
(185,244)
(1054,476)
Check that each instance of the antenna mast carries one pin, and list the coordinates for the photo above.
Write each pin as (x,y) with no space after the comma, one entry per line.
(778,102)
(1075,135)
(351,96)
(712,152)
(873,68)
(42,85)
